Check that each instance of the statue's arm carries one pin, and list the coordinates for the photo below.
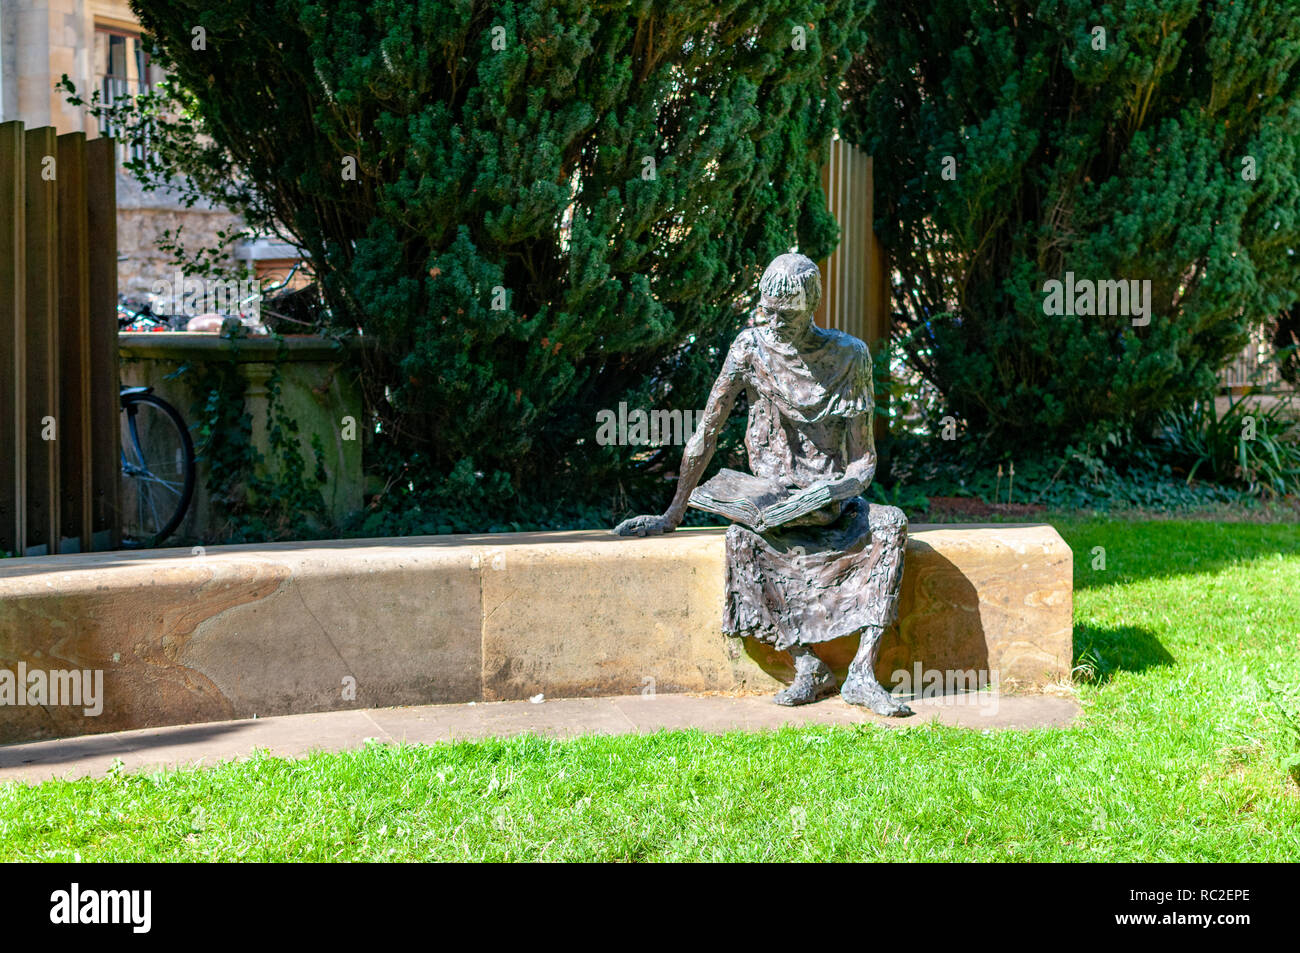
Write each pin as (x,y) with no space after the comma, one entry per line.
(698,453)
(699,449)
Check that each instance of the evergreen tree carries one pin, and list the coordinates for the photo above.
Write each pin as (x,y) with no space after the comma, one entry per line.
(536,208)
(1019,141)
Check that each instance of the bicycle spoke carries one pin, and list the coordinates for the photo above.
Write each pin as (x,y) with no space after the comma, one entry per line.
(139,503)
(153,510)
(155,480)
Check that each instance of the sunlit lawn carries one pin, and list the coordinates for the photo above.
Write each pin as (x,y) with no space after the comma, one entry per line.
(1178,756)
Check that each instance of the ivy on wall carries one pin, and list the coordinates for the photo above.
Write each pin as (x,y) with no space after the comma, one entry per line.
(257,495)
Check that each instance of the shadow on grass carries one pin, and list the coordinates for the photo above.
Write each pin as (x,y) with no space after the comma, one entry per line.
(1101,652)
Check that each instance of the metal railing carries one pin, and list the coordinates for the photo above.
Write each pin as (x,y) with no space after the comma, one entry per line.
(1255,366)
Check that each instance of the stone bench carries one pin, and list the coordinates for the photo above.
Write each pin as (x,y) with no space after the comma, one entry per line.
(238,631)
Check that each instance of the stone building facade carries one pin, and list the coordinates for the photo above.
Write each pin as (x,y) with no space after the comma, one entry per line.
(97,44)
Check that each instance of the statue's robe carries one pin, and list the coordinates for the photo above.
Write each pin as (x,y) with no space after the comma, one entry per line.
(839,570)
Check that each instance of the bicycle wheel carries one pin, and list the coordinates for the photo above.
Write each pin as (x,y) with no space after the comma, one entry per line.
(157,470)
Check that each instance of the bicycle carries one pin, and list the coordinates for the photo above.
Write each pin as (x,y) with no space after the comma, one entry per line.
(136,316)
(157,453)
(157,463)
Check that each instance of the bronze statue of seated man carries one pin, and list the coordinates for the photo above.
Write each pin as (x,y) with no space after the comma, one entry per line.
(833,569)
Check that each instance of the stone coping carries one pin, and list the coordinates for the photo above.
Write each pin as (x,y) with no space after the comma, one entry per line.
(189,345)
(584,537)
(183,636)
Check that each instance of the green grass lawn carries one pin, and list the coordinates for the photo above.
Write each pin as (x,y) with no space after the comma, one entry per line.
(1178,755)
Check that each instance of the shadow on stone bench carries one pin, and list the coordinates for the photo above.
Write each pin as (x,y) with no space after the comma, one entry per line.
(949,636)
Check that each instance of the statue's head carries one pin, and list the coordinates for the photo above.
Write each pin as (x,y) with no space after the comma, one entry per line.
(789,293)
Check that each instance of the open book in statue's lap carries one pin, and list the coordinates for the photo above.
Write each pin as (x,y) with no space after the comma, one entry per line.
(766,504)
(808,560)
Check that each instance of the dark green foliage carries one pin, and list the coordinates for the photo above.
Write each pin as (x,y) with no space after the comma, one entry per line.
(1120,473)
(1122,163)
(524,169)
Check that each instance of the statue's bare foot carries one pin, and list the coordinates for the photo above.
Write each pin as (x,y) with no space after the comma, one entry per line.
(872,695)
(807,687)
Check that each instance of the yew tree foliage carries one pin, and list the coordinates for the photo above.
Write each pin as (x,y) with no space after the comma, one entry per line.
(525,168)
(1122,163)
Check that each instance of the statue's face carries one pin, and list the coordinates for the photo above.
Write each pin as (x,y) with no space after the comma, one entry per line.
(783,318)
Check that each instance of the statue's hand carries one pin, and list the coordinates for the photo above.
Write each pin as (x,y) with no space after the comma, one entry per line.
(644,526)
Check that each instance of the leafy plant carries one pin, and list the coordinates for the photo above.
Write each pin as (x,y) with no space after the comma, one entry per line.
(1089,668)
(1122,471)
(259,496)
(1251,444)
(1286,344)
(905,498)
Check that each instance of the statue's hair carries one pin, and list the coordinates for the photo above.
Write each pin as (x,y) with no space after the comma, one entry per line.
(792,281)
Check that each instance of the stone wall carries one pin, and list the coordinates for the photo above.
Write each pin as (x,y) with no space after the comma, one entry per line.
(143,217)
(238,631)
(317,392)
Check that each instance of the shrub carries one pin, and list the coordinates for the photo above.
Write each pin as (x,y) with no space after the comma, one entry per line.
(1168,156)
(539,208)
